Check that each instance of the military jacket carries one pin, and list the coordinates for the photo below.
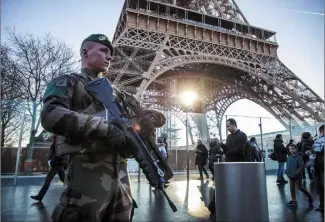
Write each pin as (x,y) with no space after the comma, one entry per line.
(69,112)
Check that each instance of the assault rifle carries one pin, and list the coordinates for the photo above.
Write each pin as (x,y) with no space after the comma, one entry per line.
(144,151)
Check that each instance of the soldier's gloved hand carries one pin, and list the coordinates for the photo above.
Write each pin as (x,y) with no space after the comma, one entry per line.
(122,124)
(144,126)
(115,134)
(130,145)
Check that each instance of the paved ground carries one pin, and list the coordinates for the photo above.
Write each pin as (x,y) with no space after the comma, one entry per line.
(190,199)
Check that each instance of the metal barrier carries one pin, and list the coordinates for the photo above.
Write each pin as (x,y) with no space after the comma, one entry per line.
(240,192)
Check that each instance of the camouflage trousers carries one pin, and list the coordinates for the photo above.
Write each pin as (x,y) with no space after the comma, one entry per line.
(95,189)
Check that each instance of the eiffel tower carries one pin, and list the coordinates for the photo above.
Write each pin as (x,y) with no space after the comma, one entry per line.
(164,46)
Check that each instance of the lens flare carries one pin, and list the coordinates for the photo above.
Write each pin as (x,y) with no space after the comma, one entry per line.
(188,97)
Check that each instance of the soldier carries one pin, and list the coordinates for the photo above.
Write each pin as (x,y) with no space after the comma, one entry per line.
(97,187)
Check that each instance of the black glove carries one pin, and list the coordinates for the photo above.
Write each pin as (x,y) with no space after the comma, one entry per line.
(115,134)
(144,126)
(129,147)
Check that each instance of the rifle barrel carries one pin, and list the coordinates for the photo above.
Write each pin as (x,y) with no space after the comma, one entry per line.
(170,202)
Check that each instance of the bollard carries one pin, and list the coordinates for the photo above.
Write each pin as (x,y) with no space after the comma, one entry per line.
(240,192)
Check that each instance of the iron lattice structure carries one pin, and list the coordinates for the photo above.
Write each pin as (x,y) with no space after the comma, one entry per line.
(163,47)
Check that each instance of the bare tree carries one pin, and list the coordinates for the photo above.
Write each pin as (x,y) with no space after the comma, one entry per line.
(10,99)
(38,61)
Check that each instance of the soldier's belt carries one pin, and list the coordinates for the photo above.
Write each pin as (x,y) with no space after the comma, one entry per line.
(94,157)
(62,147)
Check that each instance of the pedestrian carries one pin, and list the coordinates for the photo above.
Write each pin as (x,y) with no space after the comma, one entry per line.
(295,167)
(235,147)
(201,155)
(280,156)
(163,139)
(253,154)
(316,164)
(305,145)
(215,154)
(162,150)
(57,166)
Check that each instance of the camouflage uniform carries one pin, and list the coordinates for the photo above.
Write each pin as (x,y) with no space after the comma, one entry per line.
(97,186)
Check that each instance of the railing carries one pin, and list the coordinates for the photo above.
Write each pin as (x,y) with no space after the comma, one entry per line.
(185,19)
(201,126)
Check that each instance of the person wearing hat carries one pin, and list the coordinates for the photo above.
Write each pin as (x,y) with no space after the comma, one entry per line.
(97,186)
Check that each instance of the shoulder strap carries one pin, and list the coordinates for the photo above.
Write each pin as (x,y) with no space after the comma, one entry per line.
(76,77)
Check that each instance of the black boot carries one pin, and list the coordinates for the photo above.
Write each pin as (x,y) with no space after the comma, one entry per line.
(37,197)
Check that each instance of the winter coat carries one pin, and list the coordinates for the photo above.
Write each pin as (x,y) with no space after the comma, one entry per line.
(316,159)
(235,146)
(303,146)
(201,155)
(214,151)
(253,155)
(295,166)
(280,150)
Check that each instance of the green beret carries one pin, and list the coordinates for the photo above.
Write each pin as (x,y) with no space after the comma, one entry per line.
(100,38)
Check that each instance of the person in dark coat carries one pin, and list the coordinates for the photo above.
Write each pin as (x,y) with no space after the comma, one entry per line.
(201,153)
(261,152)
(163,139)
(58,165)
(254,155)
(304,146)
(281,156)
(235,147)
(215,154)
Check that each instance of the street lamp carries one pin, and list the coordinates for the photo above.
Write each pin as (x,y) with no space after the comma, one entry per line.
(187,98)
